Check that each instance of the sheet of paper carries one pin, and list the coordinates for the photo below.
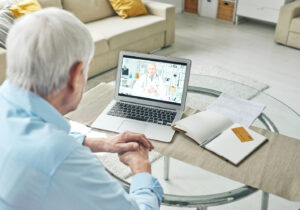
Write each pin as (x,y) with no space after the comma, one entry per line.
(237,109)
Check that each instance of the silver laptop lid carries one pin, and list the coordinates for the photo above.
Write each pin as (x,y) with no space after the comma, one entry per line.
(152,80)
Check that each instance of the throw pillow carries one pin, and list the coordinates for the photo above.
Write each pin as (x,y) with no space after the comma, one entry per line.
(25,7)
(6,22)
(128,8)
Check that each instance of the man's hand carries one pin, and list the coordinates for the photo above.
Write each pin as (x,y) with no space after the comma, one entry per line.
(151,90)
(126,141)
(137,160)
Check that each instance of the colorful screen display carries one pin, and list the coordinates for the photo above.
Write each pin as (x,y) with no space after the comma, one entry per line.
(152,79)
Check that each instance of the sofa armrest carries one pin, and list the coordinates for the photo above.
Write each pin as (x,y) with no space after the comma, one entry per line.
(166,11)
(2,64)
(2,3)
(287,13)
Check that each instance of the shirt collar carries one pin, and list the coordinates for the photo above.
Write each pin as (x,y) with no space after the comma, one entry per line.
(33,103)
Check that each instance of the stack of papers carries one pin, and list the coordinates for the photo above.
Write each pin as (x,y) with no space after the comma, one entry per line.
(237,109)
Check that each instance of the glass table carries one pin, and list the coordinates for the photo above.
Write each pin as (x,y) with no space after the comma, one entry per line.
(275,115)
(202,91)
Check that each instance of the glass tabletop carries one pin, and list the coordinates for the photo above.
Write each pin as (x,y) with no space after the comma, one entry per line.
(204,89)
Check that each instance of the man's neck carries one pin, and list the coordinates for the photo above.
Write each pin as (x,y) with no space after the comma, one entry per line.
(59,102)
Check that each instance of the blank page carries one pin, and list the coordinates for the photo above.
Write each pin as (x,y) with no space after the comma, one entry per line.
(204,125)
(231,148)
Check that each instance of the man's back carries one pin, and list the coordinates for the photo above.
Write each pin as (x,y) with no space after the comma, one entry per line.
(42,166)
(31,148)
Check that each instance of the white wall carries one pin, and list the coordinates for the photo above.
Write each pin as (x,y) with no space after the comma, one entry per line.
(177,3)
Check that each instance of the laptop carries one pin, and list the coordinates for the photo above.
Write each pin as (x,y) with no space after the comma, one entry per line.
(150,95)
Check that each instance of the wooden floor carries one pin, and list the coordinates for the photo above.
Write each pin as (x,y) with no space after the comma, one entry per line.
(247,49)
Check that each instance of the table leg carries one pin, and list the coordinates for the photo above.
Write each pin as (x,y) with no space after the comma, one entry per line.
(202,208)
(264,201)
(236,20)
(166,167)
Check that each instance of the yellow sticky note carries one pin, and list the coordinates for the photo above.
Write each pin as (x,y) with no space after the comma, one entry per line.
(242,134)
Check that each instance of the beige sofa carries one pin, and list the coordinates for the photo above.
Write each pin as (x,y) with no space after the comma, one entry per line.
(112,34)
(288,26)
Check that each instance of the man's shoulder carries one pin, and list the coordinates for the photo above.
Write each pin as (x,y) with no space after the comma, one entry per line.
(49,149)
(37,144)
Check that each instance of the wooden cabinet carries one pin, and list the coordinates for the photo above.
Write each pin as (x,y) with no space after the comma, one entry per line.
(266,10)
(226,10)
(191,6)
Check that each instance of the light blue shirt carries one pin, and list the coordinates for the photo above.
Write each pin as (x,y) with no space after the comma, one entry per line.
(43,167)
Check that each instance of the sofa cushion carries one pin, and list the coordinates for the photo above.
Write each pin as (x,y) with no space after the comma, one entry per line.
(89,10)
(44,3)
(120,32)
(2,3)
(6,22)
(25,7)
(125,8)
(2,64)
(295,25)
(101,44)
(50,3)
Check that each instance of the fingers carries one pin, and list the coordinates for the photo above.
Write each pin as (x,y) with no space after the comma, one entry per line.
(126,147)
(137,137)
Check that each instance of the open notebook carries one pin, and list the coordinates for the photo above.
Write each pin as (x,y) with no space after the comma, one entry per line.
(220,135)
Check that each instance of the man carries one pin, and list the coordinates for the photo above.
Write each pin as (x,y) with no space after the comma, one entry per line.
(150,84)
(41,165)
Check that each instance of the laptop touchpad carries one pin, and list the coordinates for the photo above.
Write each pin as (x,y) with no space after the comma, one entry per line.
(137,127)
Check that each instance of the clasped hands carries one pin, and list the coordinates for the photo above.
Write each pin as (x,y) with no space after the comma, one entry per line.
(132,149)
(151,90)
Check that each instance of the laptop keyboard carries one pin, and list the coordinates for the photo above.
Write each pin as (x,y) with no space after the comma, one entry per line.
(142,113)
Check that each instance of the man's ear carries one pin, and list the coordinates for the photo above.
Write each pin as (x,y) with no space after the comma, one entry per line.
(75,75)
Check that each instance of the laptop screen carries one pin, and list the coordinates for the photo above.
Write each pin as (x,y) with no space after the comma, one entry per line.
(151,79)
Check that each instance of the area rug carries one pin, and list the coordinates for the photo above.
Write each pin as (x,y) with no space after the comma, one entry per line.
(113,164)
(210,69)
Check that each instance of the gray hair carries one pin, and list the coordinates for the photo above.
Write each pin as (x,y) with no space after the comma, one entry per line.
(43,46)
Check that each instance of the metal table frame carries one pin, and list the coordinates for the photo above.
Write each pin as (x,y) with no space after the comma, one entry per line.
(202,202)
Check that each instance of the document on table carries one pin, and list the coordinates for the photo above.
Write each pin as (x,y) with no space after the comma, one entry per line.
(237,109)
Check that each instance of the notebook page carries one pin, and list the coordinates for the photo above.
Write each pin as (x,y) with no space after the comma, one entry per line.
(231,148)
(204,125)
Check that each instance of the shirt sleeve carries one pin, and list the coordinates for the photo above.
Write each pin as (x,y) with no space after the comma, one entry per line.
(143,186)
(81,182)
(78,137)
